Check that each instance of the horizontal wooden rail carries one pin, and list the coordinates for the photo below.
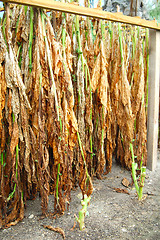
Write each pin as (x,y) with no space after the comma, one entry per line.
(89,12)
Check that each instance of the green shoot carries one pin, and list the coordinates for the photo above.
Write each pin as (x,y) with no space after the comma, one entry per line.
(111,33)
(11,195)
(3,30)
(82,212)
(25,9)
(57,182)
(120,41)
(31,39)
(139,187)
(141,184)
(2,159)
(79,42)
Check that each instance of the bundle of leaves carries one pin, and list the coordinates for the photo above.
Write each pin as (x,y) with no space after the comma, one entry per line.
(73,94)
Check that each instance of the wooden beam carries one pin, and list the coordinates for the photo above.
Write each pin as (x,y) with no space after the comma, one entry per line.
(153,99)
(89,12)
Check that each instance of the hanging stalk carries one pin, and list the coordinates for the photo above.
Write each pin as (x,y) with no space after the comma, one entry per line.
(3,30)
(57,182)
(15,185)
(25,9)
(103,29)
(63,32)
(88,79)
(134,168)
(120,41)
(90,90)
(132,53)
(2,159)
(60,121)
(31,39)
(53,88)
(110,32)
(102,138)
(19,55)
(138,32)
(83,63)
(92,32)
(80,53)
(17,25)
(102,127)
(82,153)
(6,35)
(80,56)
(2,163)
(134,40)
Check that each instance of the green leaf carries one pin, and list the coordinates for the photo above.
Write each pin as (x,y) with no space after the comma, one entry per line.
(4,164)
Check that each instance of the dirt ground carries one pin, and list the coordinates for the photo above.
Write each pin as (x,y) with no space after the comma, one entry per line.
(112,215)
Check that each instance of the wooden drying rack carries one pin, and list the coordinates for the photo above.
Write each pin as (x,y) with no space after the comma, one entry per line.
(154,63)
(73,8)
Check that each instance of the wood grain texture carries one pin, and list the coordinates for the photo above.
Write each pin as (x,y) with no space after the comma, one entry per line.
(89,12)
(153,99)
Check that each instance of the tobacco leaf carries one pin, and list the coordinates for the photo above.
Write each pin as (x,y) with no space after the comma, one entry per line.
(2,93)
(57,229)
(120,190)
(14,16)
(103,81)
(69,56)
(55,50)
(89,187)
(14,137)
(98,38)
(17,214)
(25,67)
(109,149)
(141,150)
(138,79)
(19,26)
(125,182)
(82,175)
(25,128)
(89,51)
(81,102)
(95,76)
(62,93)
(34,155)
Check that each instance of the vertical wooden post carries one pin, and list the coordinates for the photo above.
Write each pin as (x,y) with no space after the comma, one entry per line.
(153,98)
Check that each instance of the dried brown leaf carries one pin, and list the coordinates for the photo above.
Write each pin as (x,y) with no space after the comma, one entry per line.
(96,73)
(14,137)
(2,93)
(103,83)
(57,229)
(120,190)
(125,182)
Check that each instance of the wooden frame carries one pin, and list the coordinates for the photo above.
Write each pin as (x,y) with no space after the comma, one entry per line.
(154,66)
(89,12)
(153,99)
